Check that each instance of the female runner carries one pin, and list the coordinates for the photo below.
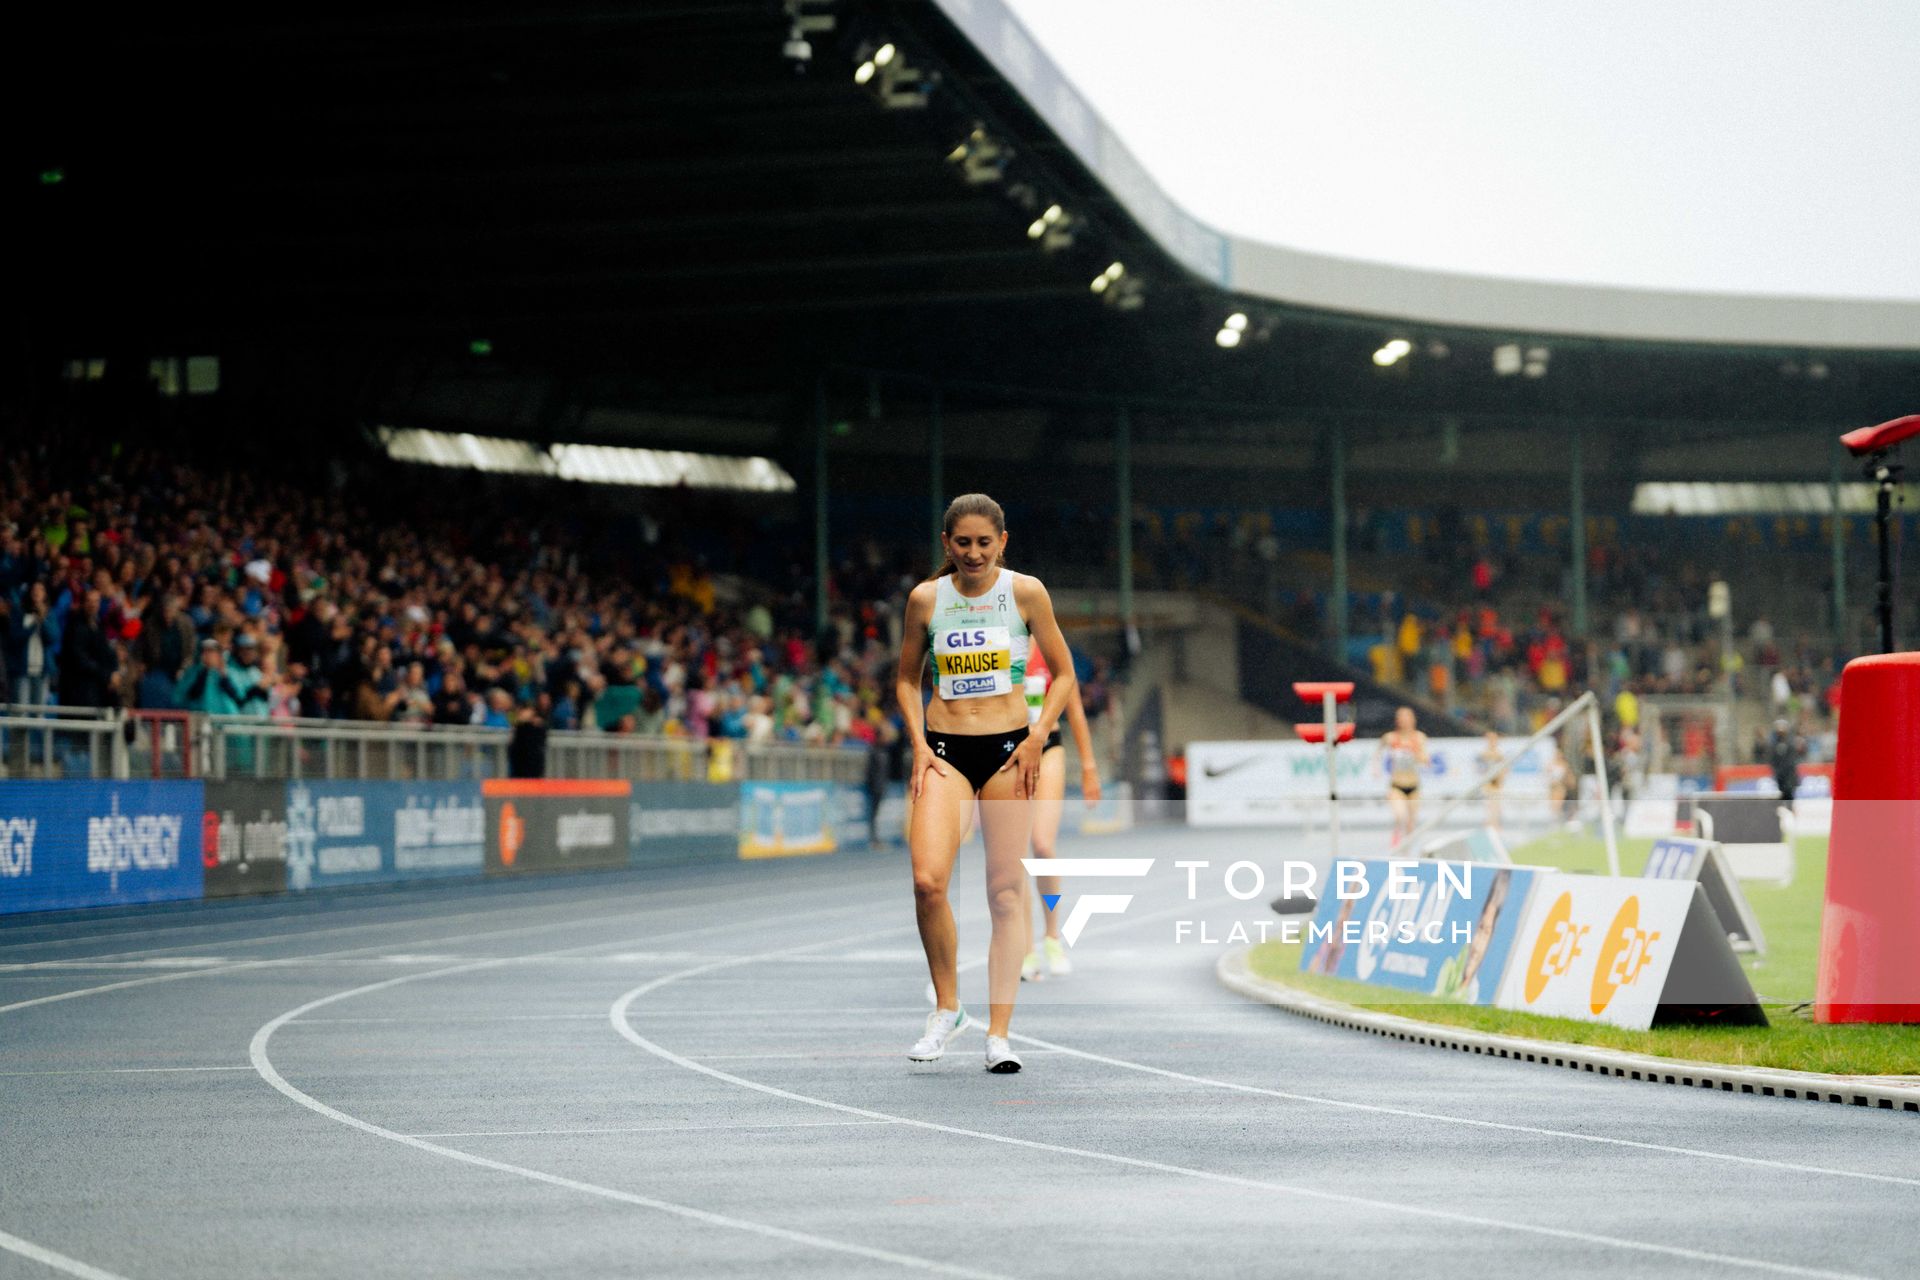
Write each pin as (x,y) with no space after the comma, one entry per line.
(1405,748)
(1049,804)
(979,619)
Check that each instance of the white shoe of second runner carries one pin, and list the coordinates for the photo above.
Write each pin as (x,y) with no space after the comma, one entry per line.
(942,1026)
(1001,1059)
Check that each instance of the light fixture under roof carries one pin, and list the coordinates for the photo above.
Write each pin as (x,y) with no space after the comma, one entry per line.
(587,463)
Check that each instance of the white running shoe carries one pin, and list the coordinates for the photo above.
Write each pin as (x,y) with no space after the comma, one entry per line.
(1001,1059)
(1030,970)
(942,1026)
(1057,963)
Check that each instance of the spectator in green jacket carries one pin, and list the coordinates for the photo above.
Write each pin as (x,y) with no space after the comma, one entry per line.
(208,686)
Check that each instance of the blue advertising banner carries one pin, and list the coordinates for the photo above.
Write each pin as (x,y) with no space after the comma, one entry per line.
(342,833)
(95,844)
(676,821)
(1442,929)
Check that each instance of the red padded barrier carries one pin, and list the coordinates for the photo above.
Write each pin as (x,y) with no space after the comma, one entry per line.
(1870,929)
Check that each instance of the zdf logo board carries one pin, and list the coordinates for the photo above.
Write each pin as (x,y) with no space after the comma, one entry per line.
(1624,950)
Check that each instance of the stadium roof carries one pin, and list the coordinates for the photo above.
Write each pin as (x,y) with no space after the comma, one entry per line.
(614,223)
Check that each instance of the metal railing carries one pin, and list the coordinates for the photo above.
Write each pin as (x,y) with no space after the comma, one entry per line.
(86,742)
(39,742)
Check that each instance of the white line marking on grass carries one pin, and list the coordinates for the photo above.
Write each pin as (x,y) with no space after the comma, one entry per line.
(618,1015)
(257,1054)
(58,1261)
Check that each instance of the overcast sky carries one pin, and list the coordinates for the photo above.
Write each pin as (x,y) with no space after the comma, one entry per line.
(1735,146)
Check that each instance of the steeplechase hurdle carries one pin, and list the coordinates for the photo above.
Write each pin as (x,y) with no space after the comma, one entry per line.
(1332,731)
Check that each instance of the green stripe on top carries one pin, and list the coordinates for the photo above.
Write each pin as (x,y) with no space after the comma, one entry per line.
(993,608)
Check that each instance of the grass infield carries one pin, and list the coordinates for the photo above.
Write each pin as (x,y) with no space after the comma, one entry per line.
(1784,979)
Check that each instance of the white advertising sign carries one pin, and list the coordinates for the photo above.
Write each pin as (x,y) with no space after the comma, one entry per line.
(1597,948)
(1284,783)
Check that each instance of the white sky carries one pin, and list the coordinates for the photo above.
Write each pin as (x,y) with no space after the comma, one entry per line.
(1726,146)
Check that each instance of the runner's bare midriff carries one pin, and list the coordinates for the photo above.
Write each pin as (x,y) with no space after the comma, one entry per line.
(1001,714)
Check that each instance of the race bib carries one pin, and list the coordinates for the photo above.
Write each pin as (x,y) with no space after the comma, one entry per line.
(973,662)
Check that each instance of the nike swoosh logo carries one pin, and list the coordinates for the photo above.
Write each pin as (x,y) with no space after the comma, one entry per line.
(1215,771)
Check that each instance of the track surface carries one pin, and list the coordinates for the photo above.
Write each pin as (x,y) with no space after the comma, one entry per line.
(698,1071)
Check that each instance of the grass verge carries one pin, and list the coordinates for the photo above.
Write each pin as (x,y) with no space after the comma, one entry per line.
(1784,979)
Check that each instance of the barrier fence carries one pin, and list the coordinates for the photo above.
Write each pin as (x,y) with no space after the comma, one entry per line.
(100,809)
(52,742)
(73,842)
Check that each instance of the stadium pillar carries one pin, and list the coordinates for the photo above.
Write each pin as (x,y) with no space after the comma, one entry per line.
(936,473)
(820,507)
(1338,441)
(1123,482)
(1579,540)
(1837,531)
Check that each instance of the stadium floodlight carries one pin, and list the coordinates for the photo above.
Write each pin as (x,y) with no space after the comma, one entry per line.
(1228,338)
(1118,289)
(981,158)
(1507,359)
(798,49)
(1237,323)
(1392,352)
(897,85)
(1054,228)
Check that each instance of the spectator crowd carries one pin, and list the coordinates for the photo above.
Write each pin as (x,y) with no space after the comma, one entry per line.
(129,578)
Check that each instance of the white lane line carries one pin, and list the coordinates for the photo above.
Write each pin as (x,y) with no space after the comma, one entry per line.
(782,1011)
(1437,1117)
(1761,1162)
(618,1015)
(124,1071)
(156,962)
(128,983)
(555,897)
(257,1054)
(58,1261)
(650,1128)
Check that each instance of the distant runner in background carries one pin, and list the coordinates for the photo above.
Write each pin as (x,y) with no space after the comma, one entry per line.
(1405,750)
(1489,761)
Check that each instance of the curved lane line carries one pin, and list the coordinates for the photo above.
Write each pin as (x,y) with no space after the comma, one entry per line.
(617,1014)
(58,1261)
(257,1054)
(837,890)
(1756,1161)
